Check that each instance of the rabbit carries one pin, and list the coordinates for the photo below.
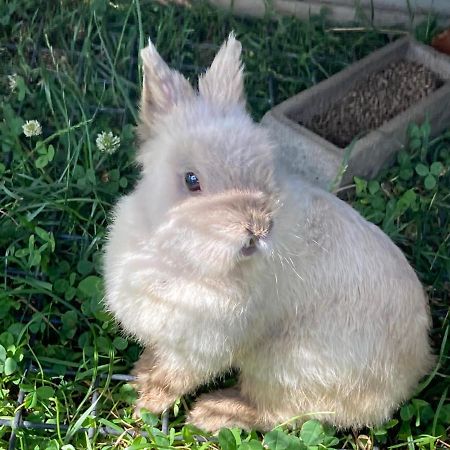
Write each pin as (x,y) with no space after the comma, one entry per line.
(219,260)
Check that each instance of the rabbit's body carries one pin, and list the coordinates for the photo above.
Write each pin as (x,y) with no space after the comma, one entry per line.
(324,316)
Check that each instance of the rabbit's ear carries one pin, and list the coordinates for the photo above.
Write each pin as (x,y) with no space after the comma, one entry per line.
(223,82)
(162,89)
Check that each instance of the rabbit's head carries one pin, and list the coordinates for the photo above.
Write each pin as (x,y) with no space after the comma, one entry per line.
(208,172)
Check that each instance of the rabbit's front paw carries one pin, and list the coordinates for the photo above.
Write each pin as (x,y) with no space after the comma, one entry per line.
(152,384)
(155,399)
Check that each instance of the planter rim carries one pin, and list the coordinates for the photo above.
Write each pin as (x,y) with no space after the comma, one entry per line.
(282,110)
(442,6)
(390,13)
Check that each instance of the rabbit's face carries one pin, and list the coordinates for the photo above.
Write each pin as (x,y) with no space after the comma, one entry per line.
(207,167)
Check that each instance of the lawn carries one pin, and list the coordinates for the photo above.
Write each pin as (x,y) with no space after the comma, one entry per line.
(73,67)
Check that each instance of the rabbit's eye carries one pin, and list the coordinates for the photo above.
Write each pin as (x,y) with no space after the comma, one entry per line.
(192,182)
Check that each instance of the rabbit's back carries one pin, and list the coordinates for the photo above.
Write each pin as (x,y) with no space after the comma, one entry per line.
(354,334)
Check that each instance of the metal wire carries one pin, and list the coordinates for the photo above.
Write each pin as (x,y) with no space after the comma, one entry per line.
(16,422)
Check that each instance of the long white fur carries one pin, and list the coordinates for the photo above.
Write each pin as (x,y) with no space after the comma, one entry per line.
(326,317)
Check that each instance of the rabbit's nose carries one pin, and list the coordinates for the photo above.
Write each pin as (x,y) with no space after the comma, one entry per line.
(260,228)
(255,233)
(250,246)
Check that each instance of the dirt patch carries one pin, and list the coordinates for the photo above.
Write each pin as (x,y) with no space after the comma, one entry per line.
(374,101)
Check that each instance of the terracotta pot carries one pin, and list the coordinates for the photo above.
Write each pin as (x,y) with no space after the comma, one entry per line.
(441,42)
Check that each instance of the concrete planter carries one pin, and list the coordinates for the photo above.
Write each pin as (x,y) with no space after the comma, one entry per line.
(320,161)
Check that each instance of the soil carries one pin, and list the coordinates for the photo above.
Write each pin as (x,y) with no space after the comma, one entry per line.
(374,101)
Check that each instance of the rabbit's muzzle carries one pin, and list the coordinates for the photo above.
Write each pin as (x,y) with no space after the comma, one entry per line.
(212,234)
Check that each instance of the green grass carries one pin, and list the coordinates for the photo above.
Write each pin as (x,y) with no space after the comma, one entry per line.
(77,73)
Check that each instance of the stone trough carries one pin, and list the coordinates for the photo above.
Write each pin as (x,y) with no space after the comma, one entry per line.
(306,153)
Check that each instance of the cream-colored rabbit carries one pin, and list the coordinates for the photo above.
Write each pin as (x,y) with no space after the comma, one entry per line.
(218,260)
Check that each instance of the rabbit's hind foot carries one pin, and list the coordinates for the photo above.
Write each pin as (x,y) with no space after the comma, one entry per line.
(226,409)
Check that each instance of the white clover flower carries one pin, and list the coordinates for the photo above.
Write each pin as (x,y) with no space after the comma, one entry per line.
(32,128)
(108,143)
(12,81)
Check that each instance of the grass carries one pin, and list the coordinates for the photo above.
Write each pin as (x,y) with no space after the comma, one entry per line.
(77,73)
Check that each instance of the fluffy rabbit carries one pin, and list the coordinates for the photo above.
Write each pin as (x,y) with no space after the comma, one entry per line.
(220,260)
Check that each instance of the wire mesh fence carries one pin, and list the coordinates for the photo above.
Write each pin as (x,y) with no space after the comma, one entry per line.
(19,421)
